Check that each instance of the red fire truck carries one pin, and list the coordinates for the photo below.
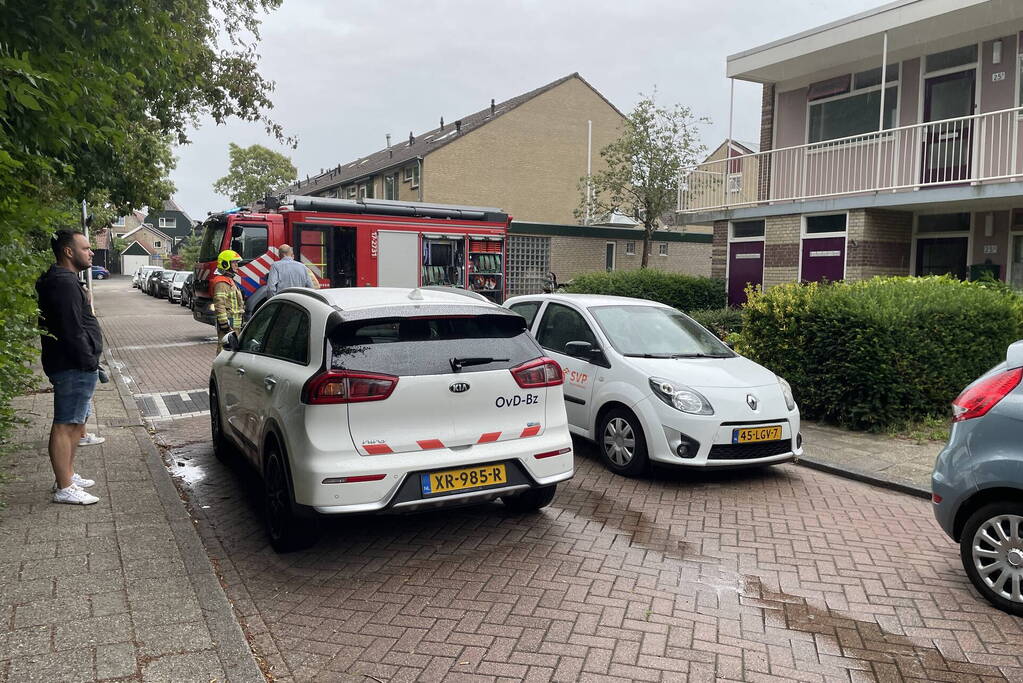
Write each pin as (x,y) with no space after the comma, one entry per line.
(364,243)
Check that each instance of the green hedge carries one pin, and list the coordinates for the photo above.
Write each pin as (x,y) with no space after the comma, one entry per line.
(871,354)
(684,292)
(724,322)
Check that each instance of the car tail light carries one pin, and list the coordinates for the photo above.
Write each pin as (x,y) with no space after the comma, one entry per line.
(551,454)
(343,386)
(353,480)
(541,372)
(982,397)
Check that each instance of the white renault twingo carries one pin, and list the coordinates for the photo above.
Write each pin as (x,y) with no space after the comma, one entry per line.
(648,383)
(362,400)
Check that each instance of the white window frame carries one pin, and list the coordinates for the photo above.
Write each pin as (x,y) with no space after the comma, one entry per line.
(897,84)
(364,191)
(165,222)
(614,256)
(118,222)
(662,249)
(415,177)
(917,236)
(823,235)
(731,239)
(1014,233)
(157,244)
(351,192)
(407,174)
(630,248)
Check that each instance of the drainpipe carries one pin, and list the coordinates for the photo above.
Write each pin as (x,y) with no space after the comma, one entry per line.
(419,163)
(880,115)
(589,170)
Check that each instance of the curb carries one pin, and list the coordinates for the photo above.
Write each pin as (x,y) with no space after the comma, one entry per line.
(231,645)
(865,477)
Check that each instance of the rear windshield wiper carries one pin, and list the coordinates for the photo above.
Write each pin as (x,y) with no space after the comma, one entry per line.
(459,363)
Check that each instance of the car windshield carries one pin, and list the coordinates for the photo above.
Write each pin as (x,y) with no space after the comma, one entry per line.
(656,332)
(167,274)
(180,277)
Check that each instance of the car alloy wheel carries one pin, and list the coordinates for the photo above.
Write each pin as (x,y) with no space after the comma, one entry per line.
(619,442)
(276,491)
(997,552)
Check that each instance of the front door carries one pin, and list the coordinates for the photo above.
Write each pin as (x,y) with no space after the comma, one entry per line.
(560,325)
(948,145)
(609,256)
(942,256)
(1016,263)
(822,258)
(745,267)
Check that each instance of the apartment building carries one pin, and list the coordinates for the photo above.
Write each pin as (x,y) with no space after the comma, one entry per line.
(889,145)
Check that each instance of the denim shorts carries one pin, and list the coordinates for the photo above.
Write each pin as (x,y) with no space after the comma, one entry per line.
(72,395)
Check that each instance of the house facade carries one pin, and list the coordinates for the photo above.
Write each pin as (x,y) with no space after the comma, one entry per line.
(172,222)
(890,144)
(525,155)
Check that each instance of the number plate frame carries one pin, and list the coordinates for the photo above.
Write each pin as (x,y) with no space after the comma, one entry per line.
(760,434)
(495,474)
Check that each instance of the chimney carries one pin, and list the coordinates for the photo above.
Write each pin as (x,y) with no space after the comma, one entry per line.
(411,139)
(458,126)
(491,106)
(442,123)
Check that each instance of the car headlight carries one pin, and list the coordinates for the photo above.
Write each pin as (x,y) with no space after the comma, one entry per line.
(680,397)
(786,391)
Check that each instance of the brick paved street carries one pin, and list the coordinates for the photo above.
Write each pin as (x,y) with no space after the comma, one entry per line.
(780,574)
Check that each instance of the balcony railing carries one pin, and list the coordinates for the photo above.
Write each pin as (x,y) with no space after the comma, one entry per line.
(982,148)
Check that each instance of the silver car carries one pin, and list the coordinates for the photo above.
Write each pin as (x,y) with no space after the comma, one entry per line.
(977,486)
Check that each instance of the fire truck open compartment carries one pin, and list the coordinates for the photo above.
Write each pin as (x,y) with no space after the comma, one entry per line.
(364,243)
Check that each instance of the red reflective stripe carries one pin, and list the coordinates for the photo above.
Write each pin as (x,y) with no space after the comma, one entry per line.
(530,431)
(489,437)
(427,444)
(377,448)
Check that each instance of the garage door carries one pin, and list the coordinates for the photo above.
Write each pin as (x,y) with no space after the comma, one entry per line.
(129,264)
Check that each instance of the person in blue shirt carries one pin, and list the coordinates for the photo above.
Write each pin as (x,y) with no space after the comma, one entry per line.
(287,272)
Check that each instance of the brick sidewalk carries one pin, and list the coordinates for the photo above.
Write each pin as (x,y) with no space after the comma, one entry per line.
(118,590)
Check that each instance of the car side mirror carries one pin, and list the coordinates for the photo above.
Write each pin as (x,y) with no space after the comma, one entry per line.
(236,231)
(230,342)
(581,349)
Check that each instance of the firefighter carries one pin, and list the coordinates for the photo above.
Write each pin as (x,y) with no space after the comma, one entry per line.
(227,297)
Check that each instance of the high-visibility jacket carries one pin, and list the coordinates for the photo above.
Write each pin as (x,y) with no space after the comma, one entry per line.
(227,301)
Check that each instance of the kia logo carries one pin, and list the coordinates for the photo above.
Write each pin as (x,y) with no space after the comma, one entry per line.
(459,387)
(751,401)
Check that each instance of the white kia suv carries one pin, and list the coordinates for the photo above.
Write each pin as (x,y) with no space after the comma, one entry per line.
(378,399)
(648,383)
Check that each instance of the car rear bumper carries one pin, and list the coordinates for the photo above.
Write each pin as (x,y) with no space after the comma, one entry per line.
(400,490)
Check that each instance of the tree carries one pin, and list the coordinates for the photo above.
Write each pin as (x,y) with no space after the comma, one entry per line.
(643,167)
(253,172)
(188,251)
(92,95)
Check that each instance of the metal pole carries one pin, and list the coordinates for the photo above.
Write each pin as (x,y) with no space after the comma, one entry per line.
(589,171)
(88,272)
(880,115)
(728,142)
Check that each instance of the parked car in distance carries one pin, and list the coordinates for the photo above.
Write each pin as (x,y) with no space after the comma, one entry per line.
(977,485)
(187,291)
(162,286)
(100,273)
(388,399)
(175,285)
(141,273)
(650,384)
(153,281)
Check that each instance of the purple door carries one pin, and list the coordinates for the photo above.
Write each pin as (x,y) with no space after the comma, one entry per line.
(823,258)
(745,266)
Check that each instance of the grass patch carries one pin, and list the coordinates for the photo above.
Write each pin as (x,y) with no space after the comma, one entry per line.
(921,430)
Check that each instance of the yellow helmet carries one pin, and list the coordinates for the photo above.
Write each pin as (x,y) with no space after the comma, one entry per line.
(226,257)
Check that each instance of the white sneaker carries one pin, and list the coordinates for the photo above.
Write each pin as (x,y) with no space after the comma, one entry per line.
(73,495)
(79,481)
(91,439)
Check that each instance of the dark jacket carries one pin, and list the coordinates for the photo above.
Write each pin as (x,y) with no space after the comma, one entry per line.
(64,312)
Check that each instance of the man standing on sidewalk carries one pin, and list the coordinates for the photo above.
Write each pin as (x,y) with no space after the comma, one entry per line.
(287,272)
(70,356)
(227,297)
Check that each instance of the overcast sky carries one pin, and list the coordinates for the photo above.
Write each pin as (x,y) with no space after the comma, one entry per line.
(349,73)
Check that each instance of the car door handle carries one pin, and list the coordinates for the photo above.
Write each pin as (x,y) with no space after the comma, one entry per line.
(269,383)
(240,371)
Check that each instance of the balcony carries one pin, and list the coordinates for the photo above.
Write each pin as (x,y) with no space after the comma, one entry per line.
(968,150)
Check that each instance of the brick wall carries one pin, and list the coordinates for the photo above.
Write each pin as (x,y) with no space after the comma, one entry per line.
(766,139)
(719,250)
(781,249)
(528,161)
(878,243)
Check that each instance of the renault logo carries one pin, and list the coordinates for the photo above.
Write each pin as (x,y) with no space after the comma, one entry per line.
(459,387)
(751,401)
